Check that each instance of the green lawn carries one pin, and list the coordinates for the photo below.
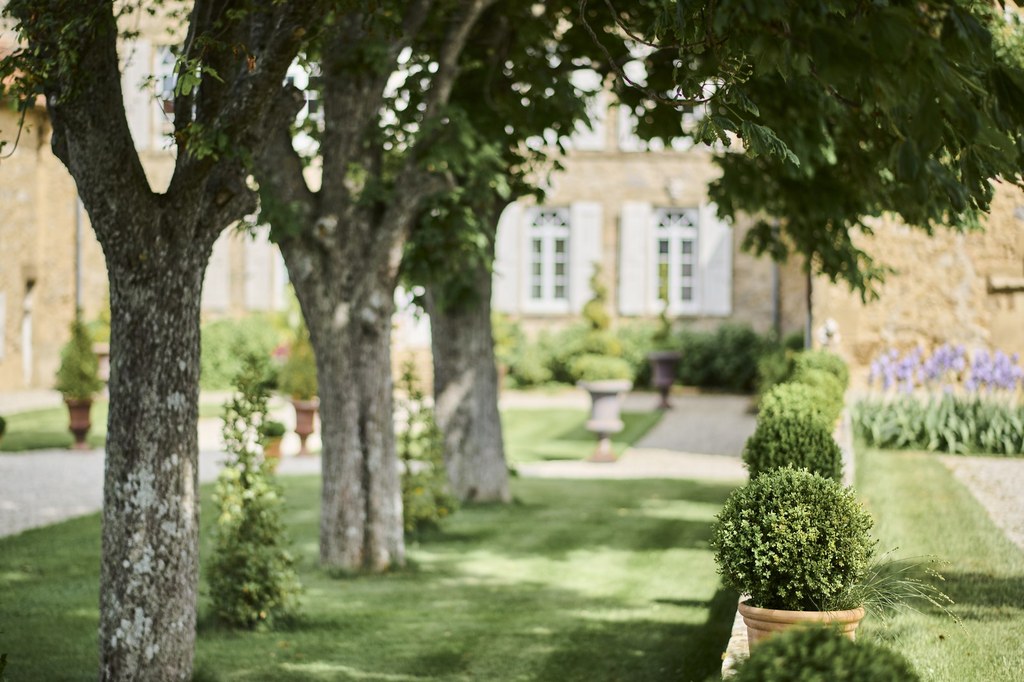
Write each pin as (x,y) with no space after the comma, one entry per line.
(578,580)
(533,435)
(48,428)
(919,507)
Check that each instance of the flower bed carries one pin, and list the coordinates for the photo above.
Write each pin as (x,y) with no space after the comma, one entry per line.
(949,401)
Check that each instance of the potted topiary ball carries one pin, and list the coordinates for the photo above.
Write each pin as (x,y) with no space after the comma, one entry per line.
(797,544)
(271,434)
(813,654)
(297,380)
(78,379)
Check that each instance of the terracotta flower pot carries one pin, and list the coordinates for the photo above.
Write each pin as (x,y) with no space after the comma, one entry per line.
(305,412)
(79,422)
(273,448)
(605,408)
(762,623)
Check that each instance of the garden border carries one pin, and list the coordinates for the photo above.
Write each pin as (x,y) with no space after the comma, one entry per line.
(738,648)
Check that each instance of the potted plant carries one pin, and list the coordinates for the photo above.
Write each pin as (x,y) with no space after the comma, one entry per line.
(271,433)
(601,371)
(297,380)
(797,544)
(663,359)
(78,379)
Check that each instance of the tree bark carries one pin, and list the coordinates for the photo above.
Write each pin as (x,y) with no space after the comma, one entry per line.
(466,396)
(150,560)
(350,328)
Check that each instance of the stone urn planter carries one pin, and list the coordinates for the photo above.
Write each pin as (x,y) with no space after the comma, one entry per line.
(605,408)
(79,422)
(663,373)
(762,623)
(305,413)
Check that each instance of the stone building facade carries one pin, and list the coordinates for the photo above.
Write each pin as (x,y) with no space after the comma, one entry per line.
(948,288)
(50,261)
(641,213)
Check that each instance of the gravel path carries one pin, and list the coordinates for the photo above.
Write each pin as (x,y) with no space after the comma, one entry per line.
(997,484)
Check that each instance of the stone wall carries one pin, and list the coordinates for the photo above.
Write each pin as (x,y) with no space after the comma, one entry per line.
(957,288)
(37,266)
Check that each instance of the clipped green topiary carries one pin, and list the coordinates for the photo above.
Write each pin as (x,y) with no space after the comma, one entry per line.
(826,361)
(426,496)
(788,440)
(793,540)
(272,429)
(251,575)
(795,399)
(822,655)
(297,377)
(590,367)
(3,427)
(830,391)
(78,377)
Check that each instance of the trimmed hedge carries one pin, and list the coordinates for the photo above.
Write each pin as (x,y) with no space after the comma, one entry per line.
(830,391)
(825,361)
(822,655)
(800,400)
(788,439)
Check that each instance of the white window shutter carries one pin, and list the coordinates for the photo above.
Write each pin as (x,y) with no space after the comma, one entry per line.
(715,245)
(217,282)
(259,270)
(637,273)
(509,265)
(138,101)
(586,240)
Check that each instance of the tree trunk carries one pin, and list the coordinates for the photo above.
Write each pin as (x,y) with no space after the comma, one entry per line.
(350,328)
(150,562)
(466,396)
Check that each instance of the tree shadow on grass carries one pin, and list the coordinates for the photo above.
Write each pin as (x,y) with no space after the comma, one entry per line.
(981,596)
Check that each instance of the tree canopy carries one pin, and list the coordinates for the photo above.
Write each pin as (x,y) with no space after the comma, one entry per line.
(846,110)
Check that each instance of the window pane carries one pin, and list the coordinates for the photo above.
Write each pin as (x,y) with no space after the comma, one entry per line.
(537,246)
(687,270)
(535,292)
(560,246)
(560,291)
(687,246)
(687,293)
(663,247)
(560,269)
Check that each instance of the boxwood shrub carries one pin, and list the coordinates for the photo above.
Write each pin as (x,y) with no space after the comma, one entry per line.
(831,393)
(793,540)
(799,400)
(787,439)
(820,655)
(823,360)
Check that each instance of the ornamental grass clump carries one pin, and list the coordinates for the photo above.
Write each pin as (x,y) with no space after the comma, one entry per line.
(793,540)
(251,575)
(820,655)
(788,440)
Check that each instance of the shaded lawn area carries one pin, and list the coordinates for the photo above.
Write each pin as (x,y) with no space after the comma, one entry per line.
(48,428)
(919,507)
(578,580)
(533,435)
